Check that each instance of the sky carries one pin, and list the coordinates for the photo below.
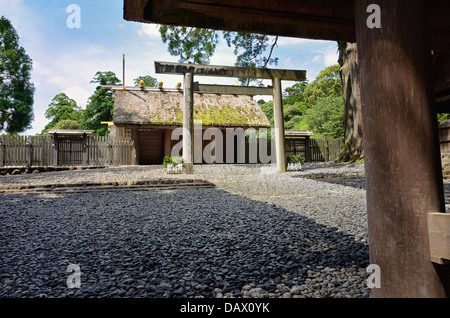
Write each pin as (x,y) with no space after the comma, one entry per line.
(67,54)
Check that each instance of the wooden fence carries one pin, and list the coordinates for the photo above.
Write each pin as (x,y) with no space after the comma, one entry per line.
(43,151)
(325,149)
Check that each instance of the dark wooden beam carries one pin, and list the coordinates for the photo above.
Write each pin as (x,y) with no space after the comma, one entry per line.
(324,19)
(401,147)
(229,71)
(232,90)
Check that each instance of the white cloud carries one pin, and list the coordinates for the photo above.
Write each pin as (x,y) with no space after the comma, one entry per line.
(149,29)
(79,94)
(330,56)
(317,58)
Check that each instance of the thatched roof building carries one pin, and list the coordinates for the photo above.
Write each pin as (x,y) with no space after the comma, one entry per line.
(165,108)
(149,116)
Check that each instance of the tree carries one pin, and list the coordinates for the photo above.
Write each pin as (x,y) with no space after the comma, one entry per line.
(294,93)
(67,124)
(149,81)
(60,109)
(197,45)
(327,83)
(16,89)
(353,149)
(326,117)
(100,106)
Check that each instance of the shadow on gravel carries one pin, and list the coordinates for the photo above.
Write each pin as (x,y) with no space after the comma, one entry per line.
(360,183)
(182,243)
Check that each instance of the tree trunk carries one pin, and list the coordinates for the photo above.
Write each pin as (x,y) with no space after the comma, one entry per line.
(353,146)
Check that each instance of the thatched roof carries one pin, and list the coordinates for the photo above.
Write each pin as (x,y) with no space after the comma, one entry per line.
(165,108)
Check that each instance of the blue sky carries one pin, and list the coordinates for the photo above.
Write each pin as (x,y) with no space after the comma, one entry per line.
(66,59)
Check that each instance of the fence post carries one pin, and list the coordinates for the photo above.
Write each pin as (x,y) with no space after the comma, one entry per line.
(55,150)
(29,149)
(2,151)
(109,151)
(85,150)
(307,150)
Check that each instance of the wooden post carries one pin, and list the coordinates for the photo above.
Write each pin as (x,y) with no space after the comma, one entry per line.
(188,123)
(85,150)
(55,150)
(2,151)
(401,145)
(279,125)
(307,150)
(167,142)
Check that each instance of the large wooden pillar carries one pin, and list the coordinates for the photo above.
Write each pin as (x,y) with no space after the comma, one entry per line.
(401,146)
(279,125)
(188,123)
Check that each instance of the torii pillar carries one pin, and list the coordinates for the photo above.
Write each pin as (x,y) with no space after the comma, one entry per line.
(401,146)
(188,123)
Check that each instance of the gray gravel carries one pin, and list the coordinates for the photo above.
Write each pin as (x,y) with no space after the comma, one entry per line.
(256,234)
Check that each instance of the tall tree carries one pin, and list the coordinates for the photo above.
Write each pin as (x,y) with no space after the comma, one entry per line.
(197,45)
(326,117)
(100,106)
(16,89)
(60,109)
(353,146)
(149,81)
(327,83)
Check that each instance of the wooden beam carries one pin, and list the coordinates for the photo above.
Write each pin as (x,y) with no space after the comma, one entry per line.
(401,146)
(323,20)
(232,90)
(229,71)
(188,123)
(278,118)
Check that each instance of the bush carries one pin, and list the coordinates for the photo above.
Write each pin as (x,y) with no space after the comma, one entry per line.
(296,159)
(172,161)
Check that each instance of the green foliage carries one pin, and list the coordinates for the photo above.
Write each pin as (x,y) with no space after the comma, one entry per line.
(100,106)
(294,93)
(295,159)
(16,90)
(193,45)
(327,83)
(60,109)
(172,161)
(443,117)
(197,45)
(149,81)
(326,117)
(267,109)
(67,124)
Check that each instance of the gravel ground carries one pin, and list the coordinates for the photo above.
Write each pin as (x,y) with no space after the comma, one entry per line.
(256,234)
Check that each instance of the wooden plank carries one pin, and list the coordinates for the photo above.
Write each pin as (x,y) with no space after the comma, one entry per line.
(401,147)
(228,71)
(439,236)
(232,90)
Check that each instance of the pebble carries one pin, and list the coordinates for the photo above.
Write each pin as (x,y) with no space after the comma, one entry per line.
(250,237)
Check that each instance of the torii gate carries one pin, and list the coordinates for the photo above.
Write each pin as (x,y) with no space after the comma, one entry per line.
(189,70)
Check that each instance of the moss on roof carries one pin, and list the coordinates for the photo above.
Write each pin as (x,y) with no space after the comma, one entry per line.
(134,107)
